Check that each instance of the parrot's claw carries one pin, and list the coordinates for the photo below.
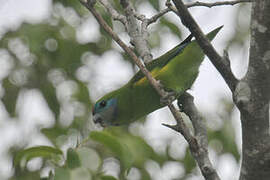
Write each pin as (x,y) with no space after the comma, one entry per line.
(160,84)
(180,105)
(169,98)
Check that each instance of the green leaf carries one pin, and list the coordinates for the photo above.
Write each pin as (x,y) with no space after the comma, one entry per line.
(154,39)
(25,175)
(189,162)
(107,178)
(155,4)
(33,152)
(49,93)
(73,160)
(53,133)
(82,94)
(10,97)
(106,39)
(89,158)
(226,137)
(62,174)
(80,174)
(173,27)
(140,155)
(119,149)
(144,174)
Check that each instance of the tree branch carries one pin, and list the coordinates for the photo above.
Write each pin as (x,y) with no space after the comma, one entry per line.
(157,16)
(194,4)
(218,3)
(115,15)
(199,146)
(222,64)
(138,37)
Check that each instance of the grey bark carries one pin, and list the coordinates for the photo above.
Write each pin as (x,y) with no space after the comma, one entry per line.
(199,147)
(252,98)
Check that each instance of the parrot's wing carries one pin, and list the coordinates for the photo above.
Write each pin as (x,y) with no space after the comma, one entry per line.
(157,64)
(161,61)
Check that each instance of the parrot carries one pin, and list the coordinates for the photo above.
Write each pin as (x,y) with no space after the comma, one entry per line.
(176,70)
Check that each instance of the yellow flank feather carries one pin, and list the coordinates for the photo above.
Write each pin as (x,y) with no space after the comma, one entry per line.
(164,69)
(154,73)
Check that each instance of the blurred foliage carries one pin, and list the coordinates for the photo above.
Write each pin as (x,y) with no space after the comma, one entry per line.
(38,151)
(48,54)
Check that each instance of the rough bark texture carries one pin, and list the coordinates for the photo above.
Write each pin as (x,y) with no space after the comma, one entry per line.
(252,98)
(138,37)
(199,147)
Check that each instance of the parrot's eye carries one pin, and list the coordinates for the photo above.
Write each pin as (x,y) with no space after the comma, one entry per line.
(103,103)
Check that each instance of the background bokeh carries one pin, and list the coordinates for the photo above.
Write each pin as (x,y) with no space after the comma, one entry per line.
(55,61)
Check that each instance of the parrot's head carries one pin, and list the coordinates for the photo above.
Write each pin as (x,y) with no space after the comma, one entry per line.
(105,111)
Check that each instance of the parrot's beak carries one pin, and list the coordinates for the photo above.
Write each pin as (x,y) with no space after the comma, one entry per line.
(97,119)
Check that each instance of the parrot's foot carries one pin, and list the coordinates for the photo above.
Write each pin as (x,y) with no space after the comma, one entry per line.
(169,98)
(180,105)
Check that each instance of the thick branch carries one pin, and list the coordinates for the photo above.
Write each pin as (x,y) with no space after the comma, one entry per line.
(222,64)
(181,126)
(138,37)
(199,149)
(115,15)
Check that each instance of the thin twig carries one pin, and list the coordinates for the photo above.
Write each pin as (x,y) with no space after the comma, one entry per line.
(170,8)
(158,15)
(218,3)
(222,64)
(115,15)
(180,125)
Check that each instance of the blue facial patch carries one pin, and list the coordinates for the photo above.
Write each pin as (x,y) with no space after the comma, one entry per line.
(108,103)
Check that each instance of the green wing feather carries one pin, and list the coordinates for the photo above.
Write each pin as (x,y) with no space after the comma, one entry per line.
(161,61)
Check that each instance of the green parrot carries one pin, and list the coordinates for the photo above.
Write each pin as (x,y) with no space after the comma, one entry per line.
(176,70)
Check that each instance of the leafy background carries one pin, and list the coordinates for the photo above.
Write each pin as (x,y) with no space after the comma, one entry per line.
(56,61)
